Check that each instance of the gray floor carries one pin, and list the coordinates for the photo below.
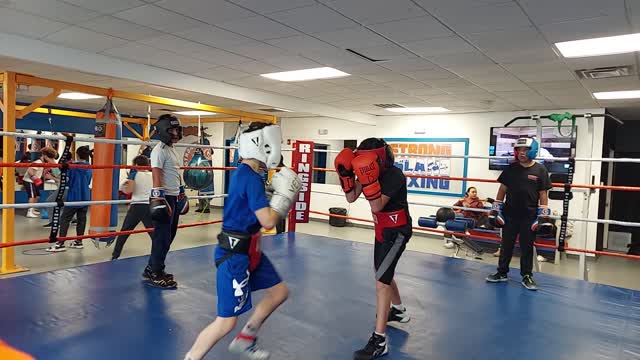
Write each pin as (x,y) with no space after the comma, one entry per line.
(605,270)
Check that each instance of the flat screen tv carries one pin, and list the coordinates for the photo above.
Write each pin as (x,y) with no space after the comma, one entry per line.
(553,144)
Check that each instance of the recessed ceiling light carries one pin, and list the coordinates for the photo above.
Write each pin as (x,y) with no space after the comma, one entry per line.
(418,110)
(614,95)
(609,45)
(306,74)
(78,96)
(194,113)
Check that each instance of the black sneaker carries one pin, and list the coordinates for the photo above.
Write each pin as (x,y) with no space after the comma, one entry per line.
(497,277)
(375,348)
(148,272)
(161,281)
(527,282)
(398,315)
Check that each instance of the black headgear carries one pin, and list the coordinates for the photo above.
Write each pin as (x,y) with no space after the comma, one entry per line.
(379,147)
(164,123)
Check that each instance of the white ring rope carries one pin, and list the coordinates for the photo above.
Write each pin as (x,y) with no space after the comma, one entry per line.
(597,221)
(86,203)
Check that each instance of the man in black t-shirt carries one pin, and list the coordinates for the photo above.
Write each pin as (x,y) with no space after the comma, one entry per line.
(525,183)
(385,186)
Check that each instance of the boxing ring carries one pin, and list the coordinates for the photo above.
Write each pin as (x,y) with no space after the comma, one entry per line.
(104,311)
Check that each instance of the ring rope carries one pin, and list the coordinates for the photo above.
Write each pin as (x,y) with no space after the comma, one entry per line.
(101,235)
(88,203)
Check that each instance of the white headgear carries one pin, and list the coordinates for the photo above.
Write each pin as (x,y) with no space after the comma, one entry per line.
(262,145)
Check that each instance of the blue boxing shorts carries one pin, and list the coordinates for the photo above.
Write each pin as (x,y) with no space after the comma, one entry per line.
(235,283)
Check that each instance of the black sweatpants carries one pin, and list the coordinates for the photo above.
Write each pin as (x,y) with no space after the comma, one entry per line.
(67,216)
(517,227)
(162,237)
(135,214)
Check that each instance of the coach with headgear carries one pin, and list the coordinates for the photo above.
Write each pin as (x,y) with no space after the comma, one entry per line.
(370,171)
(167,199)
(525,184)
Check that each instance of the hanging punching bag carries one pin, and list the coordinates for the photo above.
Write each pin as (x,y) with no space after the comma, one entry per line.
(198,179)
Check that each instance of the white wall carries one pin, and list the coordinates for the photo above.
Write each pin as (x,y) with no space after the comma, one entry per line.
(476,127)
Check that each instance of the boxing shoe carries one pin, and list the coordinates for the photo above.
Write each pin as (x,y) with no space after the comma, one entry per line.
(247,346)
(375,348)
(400,316)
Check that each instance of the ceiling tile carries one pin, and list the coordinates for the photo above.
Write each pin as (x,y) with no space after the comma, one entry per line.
(410,30)
(515,94)
(384,52)
(432,74)
(214,36)
(376,11)
(106,7)
(424,92)
(212,12)
(259,28)
(364,68)
(534,67)
(322,99)
(444,83)
(547,76)
(439,46)
(586,28)
(513,39)
(158,18)
(120,28)
(337,58)
(267,7)
(516,57)
(405,84)
(482,18)
(255,67)
(54,10)
(566,86)
(408,64)
(313,19)
(385,76)
(13,22)
(291,62)
(144,54)
(461,90)
(302,44)
(256,50)
(548,11)
(79,38)
(219,57)
(462,61)
(175,44)
(351,38)
(222,73)
(506,86)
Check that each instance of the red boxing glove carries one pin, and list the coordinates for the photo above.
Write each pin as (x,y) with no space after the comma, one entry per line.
(367,171)
(37,182)
(344,169)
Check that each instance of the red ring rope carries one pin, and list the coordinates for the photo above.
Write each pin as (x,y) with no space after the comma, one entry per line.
(102,235)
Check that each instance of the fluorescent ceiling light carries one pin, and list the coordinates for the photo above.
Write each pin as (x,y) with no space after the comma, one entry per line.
(194,113)
(609,45)
(78,96)
(613,95)
(307,74)
(418,109)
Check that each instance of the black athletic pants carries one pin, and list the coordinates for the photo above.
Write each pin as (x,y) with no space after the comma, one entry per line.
(135,214)
(162,237)
(517,227)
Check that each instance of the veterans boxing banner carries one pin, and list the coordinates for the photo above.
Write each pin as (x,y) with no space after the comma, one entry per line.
(421,156)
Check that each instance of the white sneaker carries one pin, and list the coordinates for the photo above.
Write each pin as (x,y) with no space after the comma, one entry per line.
(246,346)
(32,214)
(448,245)
(57,248)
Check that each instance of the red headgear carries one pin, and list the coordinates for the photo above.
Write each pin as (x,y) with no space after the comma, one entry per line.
(384,154)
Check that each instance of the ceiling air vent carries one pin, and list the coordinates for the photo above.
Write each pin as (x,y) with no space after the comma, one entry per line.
(606,72)
(388,106)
